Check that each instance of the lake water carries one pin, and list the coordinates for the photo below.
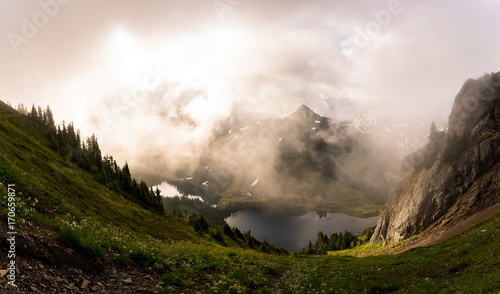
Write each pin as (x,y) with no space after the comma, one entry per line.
(168,190)
(294,230)
(186,189)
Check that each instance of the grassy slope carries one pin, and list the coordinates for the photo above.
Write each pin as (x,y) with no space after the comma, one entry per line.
(64,191)
(69,199)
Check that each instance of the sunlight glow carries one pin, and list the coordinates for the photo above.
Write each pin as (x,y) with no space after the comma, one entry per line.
(204,57)
(199,67)
(126,57)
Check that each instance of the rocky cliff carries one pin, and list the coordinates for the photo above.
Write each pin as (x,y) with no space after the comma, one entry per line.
(456,175)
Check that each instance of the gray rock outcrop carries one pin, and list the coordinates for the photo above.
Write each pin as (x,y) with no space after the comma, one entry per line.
(456,174)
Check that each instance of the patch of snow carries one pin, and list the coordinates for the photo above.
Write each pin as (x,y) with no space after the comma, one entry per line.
(255,182)
(194,197)
(168,190)
(313,128)
(229,132)
(210,170)
(190,178)
(281,139)
(242,129)
(205,183)
(249,195)
(317,121)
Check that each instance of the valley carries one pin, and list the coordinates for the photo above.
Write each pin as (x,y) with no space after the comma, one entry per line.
(88,232)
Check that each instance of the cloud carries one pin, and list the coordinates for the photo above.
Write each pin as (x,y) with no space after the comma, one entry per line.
(91,60)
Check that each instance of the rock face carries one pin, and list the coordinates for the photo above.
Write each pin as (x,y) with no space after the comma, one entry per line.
(456,174)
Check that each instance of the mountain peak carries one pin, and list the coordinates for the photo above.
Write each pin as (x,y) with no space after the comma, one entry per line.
(304,109)
(304,112)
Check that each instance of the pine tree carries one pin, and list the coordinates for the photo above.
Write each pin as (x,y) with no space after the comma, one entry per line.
(50,119)
(144,193)
(22,109)
(127,179)
(310,249)
(158,198)
(320,246)
(94,152)
(34,114)
(238,233)
(72,139)
(203,223)
(40,114)
(227,231)
(346,241)
(333,241)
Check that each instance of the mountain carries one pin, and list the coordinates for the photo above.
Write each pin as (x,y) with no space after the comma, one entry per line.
(454,181)
(76,235)
(302,159)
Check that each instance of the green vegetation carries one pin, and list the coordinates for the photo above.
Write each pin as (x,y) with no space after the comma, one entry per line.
(337,242)
(193,256)
(87,156)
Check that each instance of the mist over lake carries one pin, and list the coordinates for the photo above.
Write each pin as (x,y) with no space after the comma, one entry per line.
(293,229)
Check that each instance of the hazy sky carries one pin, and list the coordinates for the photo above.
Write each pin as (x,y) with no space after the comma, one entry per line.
(134,69)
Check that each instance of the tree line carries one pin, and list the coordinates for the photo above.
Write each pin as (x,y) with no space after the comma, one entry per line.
(87,155)
(337,241)
(225,234)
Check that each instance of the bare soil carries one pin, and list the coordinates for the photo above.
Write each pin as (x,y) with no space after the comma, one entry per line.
(46,265)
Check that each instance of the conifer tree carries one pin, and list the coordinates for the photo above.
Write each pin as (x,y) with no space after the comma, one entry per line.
(34,114)
(158,198)
(127,179)
(310,249)
(40,114)
(50,119)
(227,231)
